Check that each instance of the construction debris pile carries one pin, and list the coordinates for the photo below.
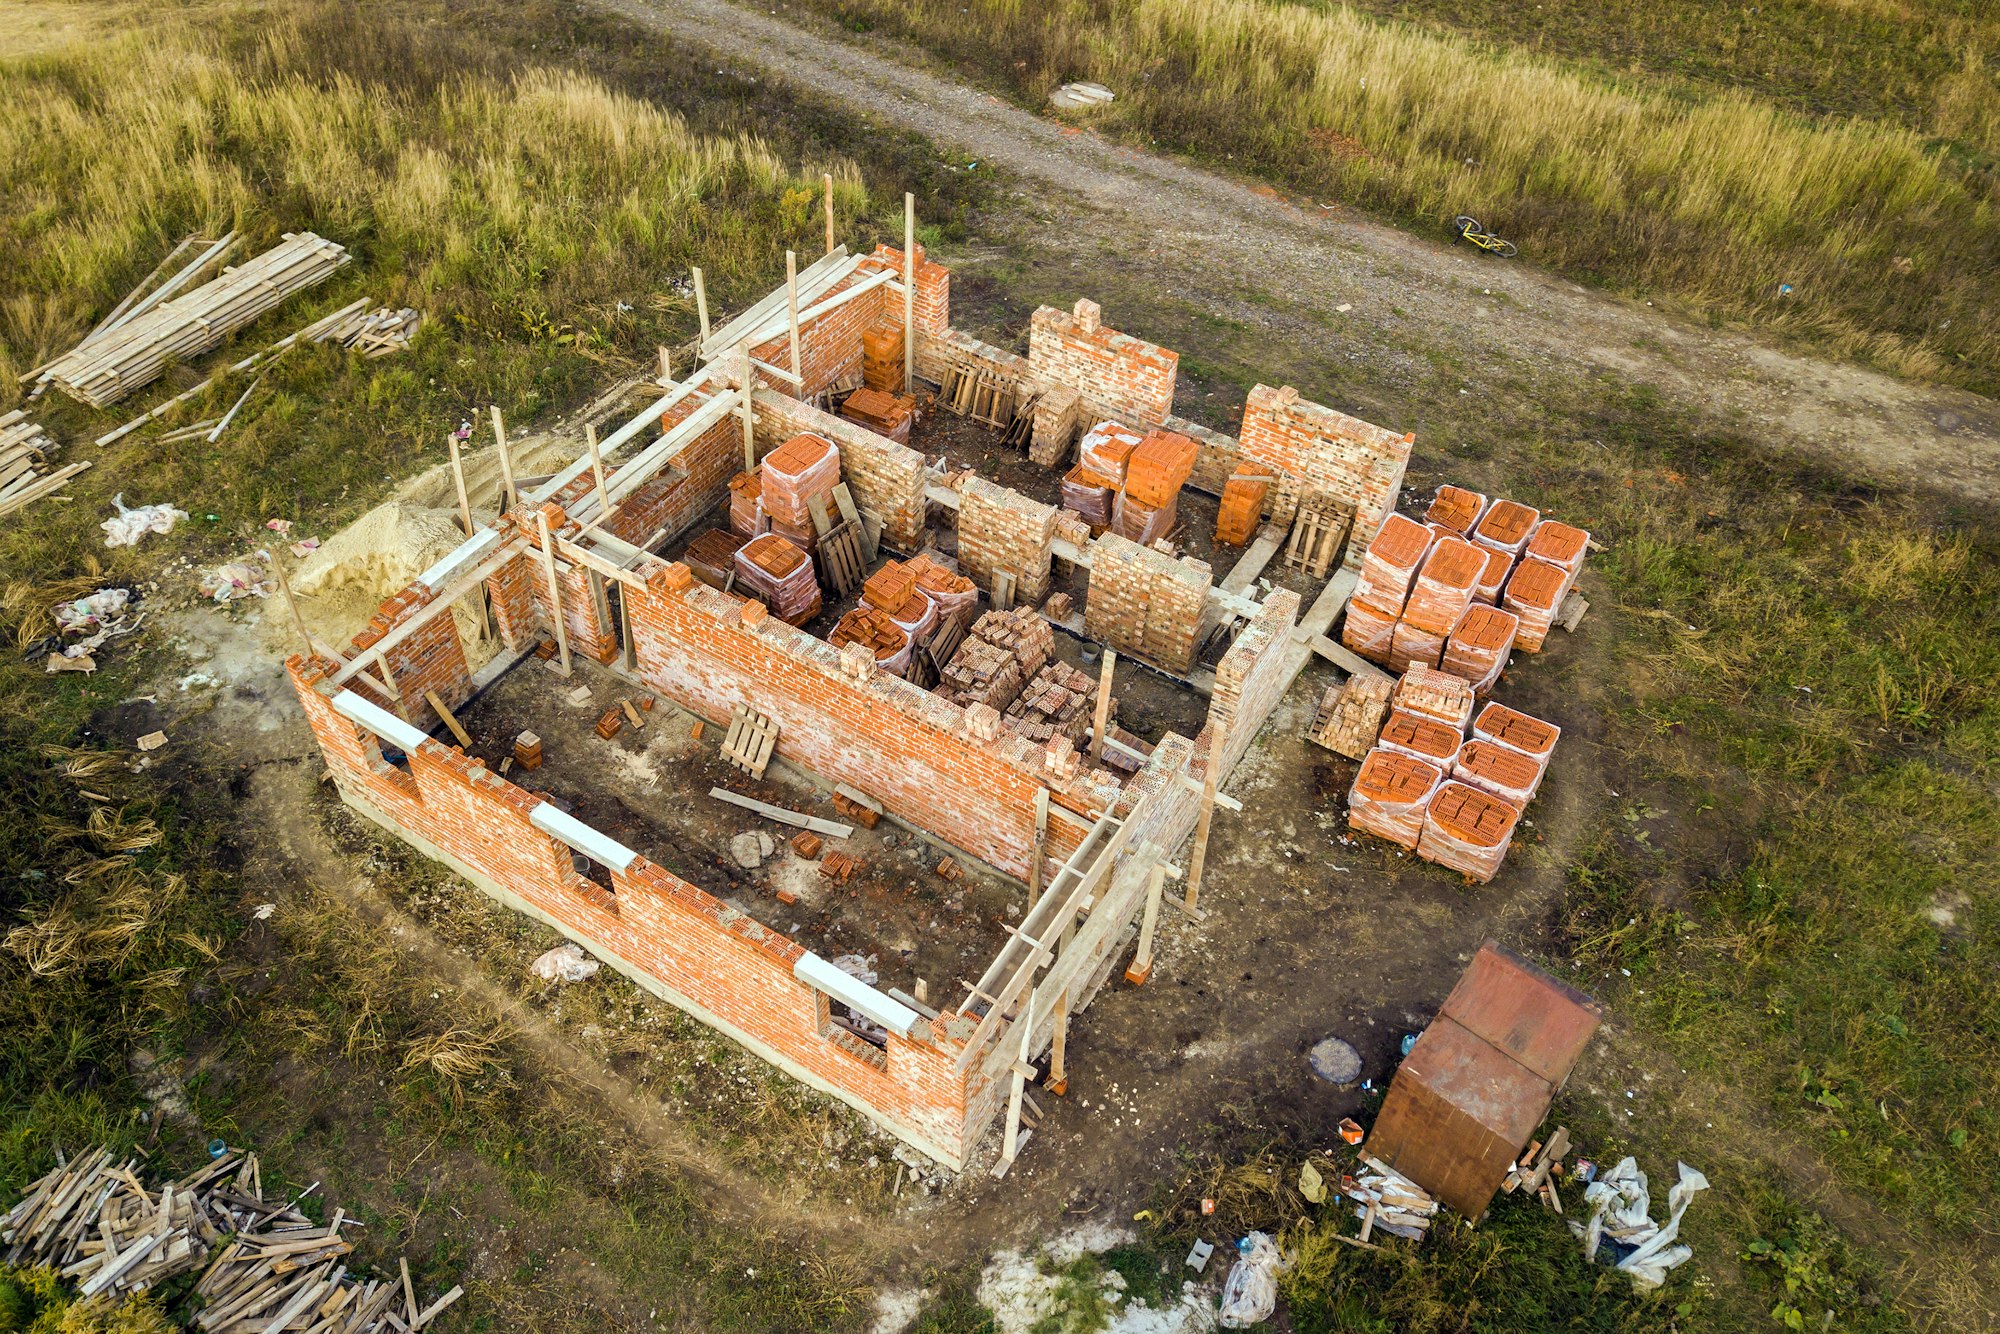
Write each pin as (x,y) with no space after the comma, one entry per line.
(1001,654)
(1129,483)
(96,1224)
(1057,702)
(1464,588)
(1386,1200)
(24,450)
(133,350)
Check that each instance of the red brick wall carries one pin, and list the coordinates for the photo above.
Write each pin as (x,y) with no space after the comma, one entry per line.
(1315,446)
(933,309)
(830,346)
(906,747)
(430,658)
(511,591)
(718,963)
(1118,375)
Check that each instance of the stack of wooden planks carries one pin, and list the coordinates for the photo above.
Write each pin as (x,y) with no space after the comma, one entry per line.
(24,449)
(121,359)
(99,1226)
(1387,1201)
(378,332)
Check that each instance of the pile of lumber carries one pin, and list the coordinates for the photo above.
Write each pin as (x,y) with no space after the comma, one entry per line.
(1536,1170)
(98,1225)
(1385,1200)
(24,449)
(378,332)
(109,367)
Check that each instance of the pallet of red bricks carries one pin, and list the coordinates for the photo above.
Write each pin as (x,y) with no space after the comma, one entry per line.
(1129,482)
(1461,590)
(1452,800)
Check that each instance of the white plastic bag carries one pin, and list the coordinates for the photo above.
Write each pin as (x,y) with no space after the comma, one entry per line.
(129,525)
(564,963)
(1620,1207)
(1250,1293)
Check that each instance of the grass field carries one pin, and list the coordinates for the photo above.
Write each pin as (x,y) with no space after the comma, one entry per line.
(1797,872)
(1886,236)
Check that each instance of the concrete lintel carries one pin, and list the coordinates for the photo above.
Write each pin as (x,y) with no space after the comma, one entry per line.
(462,558)
(580,836)
(856,995)
(384,724)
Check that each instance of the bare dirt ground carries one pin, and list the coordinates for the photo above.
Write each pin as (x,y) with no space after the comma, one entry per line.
(1231,243)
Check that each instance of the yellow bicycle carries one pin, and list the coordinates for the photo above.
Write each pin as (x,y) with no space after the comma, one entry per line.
(1470,229)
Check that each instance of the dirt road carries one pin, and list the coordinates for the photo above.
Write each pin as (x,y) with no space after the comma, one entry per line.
(1219,237)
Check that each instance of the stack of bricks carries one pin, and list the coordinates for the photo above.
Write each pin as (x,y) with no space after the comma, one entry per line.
(890,588)
(1058,414)
(951,592)
(711,557)
(780,576)
(1058,702)
(746,505)
(795,476)
(876,632)
(1158,466)
(1091,489)
(1002,531)
(1440,594)
(1144,602)
(1242,505)
(882,357)
(1088,495)
(883,413)
(1001,653)
(1463,589)
(1452,801)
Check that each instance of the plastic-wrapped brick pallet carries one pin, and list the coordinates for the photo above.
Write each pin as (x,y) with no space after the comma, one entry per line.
(1478,648)
(1368,630)
(1106,448)
(1390,563)
(1534,592)
(1424,739)
(1390,794)
(1141,523)
(1410,647)
(865,625)
(803,469)
(952,592)
(1517,731)
(1506,527)
(1492,767)
(1562,545)
(1456,509)
(779,575)
(1443,588)
(1088,494)
(1498,565)
(1467,830)
(746,505)
(1436,695)
(917,617)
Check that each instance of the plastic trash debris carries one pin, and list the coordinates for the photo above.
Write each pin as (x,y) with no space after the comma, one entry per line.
(1409,1043)
(152,741)
(1197,1256)
(129,525)
(279,526)
(1621,1225)
(264,911)
(237,579)
(565,963)
(1311,1185)
(103,607)
(1250,1293)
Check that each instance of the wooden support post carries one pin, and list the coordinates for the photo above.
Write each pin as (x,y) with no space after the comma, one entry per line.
(701,304)
(597,470)
(792,307)
(1039,854)
(1026,1022)
(909,292)
(749,414)
(438,705)
(511,496)
(299,622)
(628,651)
(1142,957)
(1101,724)
(828,178)
(666,368)
(555,592)
(1210,778)
(1058,1077)
(458,476)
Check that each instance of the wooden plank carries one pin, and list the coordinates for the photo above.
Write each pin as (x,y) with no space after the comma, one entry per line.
(831,828)
(431,698)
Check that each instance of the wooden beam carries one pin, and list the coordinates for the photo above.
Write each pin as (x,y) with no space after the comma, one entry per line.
(701,305)
(1142,957)
(1210,777)
(1041,838)
(291,605)
(1058,1078)
(431,698)
(827,177)
(831,828)
(1100,725)
(749,414)
(792,308)
(597,471)
(666,367)
(458,477)
(555,589)
(909,292)
(512,496)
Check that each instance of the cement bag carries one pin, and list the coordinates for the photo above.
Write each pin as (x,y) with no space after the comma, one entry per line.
(1250,1294)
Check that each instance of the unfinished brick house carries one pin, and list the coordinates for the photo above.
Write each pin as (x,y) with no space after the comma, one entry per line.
(620,567)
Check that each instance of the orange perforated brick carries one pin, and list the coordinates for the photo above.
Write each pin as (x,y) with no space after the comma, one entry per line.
(1506,526)
(1456,509)
(1559,543)
(1479,818)
(1422,738)
(1389,796)
(1517,731)
(1443,587)
(1368,630)
(1485,629)
(807,845)
(1401,543)
(1492,767)
(1498,566)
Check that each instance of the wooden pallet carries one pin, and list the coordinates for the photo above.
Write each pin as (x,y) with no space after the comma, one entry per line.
(840,563)
(751,739)
(969,391)
(1318,531)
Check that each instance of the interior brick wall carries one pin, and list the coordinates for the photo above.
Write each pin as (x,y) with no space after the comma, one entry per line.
(715,961)
(510,591)
(933,306)
(1253,675)
(1002,530)
(886,479)
(904,746)
(1144,602)
(1343,456)
(430,658)
(1117,375)
(935,351)
(830,346)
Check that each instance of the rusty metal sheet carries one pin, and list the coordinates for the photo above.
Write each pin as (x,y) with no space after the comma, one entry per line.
(1524,1012)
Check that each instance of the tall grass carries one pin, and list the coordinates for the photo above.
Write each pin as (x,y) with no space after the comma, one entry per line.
(1887,247)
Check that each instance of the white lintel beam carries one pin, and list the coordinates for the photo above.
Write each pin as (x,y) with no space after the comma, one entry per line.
(406,737)
(857,995)
(574,833)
